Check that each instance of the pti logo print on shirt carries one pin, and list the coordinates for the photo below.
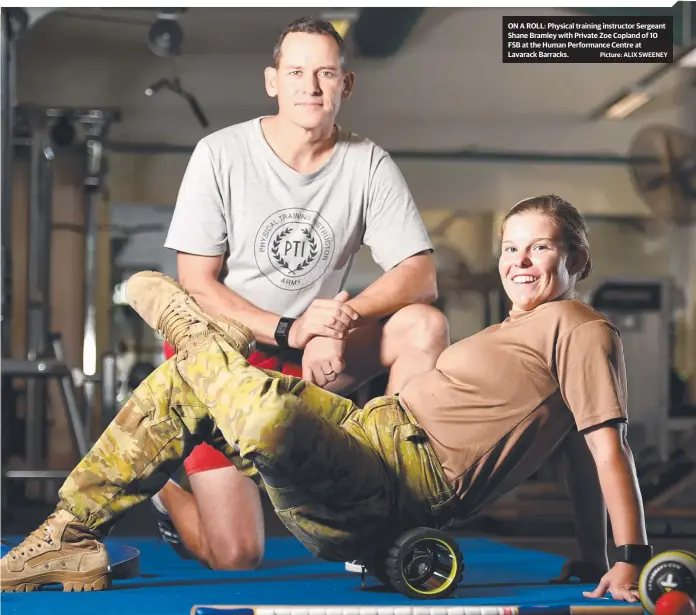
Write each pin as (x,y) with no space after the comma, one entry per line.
(294,247)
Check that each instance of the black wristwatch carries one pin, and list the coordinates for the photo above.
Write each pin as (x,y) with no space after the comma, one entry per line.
(638,555)
(282,331)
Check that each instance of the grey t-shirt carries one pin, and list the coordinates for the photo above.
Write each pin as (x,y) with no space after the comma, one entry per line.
(292,237)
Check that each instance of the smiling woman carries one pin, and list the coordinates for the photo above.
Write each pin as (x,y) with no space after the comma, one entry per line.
(545,251)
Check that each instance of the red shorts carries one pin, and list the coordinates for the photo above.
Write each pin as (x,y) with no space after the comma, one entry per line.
(204,457)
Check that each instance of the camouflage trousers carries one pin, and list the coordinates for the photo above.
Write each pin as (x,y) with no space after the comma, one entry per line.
(342,479)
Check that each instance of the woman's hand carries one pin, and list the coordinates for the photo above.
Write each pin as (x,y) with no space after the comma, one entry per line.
(621,582)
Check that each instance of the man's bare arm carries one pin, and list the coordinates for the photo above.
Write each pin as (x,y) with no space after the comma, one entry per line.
(414,280)
(199,275)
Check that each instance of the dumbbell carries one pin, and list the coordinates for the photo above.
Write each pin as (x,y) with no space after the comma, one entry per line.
(670,571)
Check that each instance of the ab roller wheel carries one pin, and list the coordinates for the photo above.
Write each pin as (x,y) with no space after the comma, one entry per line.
(671,571)
(424,564)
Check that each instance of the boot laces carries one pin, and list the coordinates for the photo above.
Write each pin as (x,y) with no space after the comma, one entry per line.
(177,322)
(182,326)
(36,541)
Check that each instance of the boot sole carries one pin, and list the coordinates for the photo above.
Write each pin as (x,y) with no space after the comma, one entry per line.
(75,582)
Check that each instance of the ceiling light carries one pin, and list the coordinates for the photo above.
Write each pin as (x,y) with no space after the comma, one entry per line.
(165,36)
(341,26)
(627,104)
(341,19)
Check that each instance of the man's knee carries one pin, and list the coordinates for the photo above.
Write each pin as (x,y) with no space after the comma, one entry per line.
(421,327)
(235,557)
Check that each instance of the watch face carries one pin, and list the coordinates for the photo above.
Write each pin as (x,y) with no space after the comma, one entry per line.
(283,328)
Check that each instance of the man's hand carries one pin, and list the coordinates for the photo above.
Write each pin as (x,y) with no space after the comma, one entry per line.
(322,360)
(621,582)
(328,318)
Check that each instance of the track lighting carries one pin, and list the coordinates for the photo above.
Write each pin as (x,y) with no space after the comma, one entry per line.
(165,36)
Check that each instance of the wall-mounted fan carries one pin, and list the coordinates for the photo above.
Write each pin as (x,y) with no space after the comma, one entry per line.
(663,170)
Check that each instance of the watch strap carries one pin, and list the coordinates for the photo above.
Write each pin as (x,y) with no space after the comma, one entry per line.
(282,331)
(638,555)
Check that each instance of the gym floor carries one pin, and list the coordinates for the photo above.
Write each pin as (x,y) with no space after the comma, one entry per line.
(511,570)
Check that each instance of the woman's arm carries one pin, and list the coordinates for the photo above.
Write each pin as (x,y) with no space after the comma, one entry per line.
(619,482)
(589,511)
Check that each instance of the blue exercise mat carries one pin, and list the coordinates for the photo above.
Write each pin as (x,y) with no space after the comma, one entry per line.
(495,574)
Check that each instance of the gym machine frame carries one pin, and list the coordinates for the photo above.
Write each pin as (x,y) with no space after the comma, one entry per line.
(45,356)
(645,304)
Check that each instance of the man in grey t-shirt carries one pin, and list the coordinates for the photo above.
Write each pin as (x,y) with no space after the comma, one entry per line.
(283,203)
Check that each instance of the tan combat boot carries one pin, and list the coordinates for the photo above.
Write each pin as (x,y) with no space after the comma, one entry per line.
(169,309)
(60,551)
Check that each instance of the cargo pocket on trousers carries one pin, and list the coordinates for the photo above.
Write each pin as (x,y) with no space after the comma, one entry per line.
(413,469)
(296,528)
(337,535)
